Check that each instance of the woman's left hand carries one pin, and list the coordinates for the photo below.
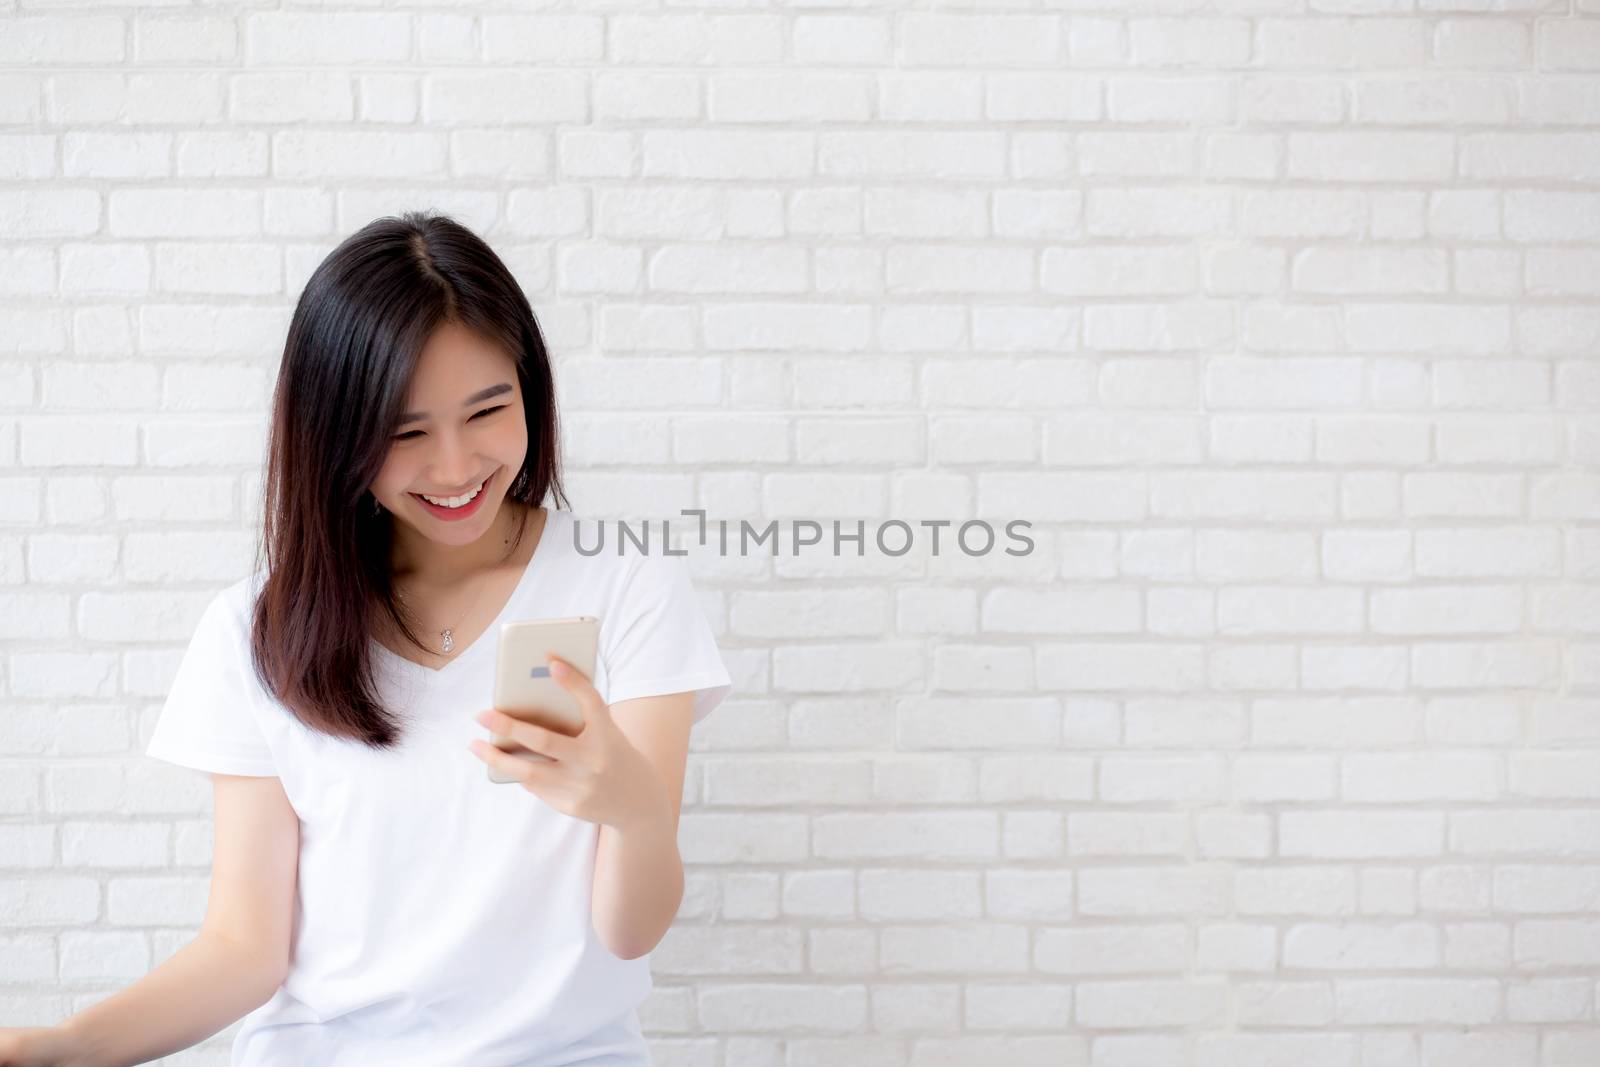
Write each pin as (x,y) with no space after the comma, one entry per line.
(597,775)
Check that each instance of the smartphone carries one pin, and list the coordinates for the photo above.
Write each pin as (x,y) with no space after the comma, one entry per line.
(523,687)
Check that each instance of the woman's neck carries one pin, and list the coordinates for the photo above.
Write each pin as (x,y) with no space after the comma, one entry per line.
(420,562)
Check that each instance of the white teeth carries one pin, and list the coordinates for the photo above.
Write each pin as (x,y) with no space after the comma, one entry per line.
(453,501)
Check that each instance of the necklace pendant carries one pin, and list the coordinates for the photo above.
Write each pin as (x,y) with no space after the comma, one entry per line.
(449,642)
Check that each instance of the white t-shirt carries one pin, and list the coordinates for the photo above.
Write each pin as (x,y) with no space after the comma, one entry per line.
(441,918)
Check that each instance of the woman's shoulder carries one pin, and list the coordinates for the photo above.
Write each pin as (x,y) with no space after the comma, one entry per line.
(622,546)
(233,606)
(606,561)
(241,594)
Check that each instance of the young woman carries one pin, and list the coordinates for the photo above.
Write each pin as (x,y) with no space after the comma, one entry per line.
(375,898)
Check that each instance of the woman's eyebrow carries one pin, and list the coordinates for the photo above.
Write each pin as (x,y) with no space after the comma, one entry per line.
(476,398)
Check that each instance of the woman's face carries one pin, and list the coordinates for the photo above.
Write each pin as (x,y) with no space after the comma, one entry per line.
(447,447)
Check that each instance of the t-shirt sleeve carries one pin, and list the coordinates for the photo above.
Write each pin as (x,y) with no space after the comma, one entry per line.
(658,640)
(209,720)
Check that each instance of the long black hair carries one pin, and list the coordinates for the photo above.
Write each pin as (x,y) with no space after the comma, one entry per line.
(348,362)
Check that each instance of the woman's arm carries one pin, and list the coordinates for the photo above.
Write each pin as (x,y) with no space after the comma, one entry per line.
(638,885)
(201,989)
(241,954)
(638,872)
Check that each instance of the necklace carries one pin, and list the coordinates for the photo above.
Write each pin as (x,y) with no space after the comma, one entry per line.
(447,635)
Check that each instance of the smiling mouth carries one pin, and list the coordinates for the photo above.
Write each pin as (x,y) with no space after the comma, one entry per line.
(463,492)
(474,492)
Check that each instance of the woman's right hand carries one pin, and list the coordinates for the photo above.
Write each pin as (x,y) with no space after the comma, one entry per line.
(34,1046)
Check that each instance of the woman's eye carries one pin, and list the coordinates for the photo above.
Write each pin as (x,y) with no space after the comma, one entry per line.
(486,411)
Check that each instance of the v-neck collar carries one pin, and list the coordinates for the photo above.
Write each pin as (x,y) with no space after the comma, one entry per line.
(490,634)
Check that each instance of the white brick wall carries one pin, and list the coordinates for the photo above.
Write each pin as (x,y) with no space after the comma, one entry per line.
(1279,320)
